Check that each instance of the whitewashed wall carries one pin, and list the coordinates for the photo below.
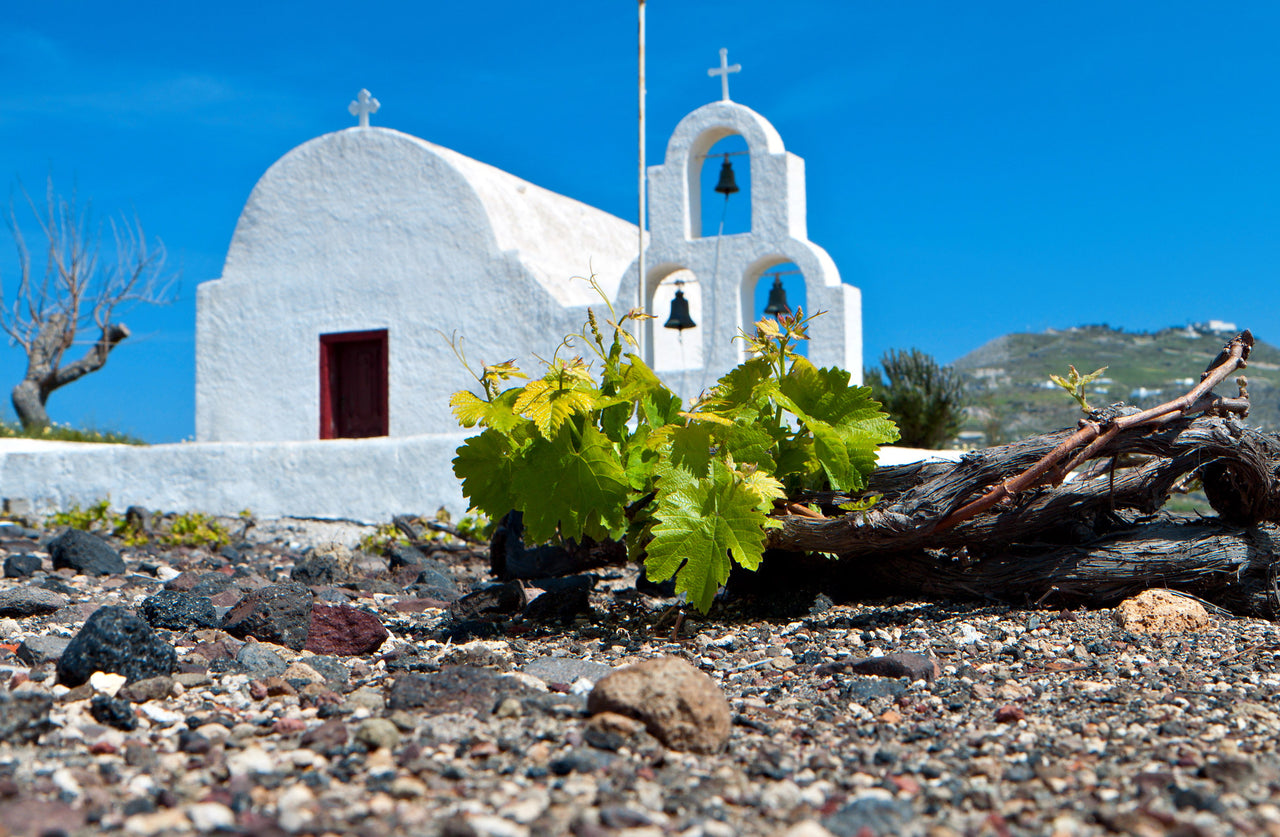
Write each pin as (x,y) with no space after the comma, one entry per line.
(369,228)
(365,480)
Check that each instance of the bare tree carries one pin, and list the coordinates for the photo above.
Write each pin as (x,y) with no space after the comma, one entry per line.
(74,293)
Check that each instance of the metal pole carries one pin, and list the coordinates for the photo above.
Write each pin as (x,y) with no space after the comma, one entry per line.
(641,325)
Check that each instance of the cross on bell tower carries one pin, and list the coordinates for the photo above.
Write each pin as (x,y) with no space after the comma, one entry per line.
(723,71)
(364,105)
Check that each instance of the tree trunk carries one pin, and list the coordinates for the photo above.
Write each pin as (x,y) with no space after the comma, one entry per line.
(44,374)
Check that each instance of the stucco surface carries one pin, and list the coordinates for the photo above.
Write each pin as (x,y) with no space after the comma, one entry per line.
(365,480)
(369,228)
(727,268)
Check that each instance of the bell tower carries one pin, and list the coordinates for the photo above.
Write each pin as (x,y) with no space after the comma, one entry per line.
(719,273)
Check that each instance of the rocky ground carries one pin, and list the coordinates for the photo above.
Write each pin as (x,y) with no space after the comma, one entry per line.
(284,685)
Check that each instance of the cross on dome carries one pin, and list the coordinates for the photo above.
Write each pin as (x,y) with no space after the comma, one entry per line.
(364,105)
(723,71)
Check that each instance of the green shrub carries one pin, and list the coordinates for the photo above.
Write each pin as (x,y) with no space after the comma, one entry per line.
(925,400)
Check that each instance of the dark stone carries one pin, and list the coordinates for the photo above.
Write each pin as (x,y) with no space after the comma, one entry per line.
(24,716)
(435,581)
(85,553)
(317,571)
(115,639)
(465,631)
(344,631)
(326,739)
(30,601)
(114,712)
(190,741)
(178,611)
(335,672)
(582,760)
(870,816)
(911,666)
(278,613)
(23,565)
(1197,799)
(865,690)
(559,606)
(37,650)
(257,660)
(402,555)
(492,602)
(454,689)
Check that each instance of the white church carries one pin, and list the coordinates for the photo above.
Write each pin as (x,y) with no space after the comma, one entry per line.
(323,362)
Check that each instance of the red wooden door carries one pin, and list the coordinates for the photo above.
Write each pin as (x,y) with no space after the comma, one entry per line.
(353,385)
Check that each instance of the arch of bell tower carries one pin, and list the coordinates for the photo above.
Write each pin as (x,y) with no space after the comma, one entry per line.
(727,266)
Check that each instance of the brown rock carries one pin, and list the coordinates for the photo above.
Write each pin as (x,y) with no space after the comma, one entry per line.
(150,688)
(913,666)
(344,631)
(679,705)
(1161,612)
(1010,713)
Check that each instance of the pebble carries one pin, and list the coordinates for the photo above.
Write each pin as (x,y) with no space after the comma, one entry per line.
(830,731)
(175,610)
(679,705)
(344,631)
(278,613)
(85,553)
(30,601)
(116,640)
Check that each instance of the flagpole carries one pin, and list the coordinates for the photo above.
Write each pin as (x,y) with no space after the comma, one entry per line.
(640,279)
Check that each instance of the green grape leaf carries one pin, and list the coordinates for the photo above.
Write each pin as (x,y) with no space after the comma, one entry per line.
(702,524)
(485,464)
(743,391)
(468,408)
(548,404)
(747,443)
(691,447)
(846,423)
(573,483)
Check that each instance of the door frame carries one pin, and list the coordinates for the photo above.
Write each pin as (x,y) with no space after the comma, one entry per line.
(328,421)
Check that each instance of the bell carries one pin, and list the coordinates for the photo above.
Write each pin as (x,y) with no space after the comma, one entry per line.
(727,185)
(777,299)
(679,319)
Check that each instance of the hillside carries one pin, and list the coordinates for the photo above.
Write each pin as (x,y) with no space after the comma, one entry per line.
(1012,396)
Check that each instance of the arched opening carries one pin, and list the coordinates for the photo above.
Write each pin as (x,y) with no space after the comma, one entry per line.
(759,288)
(725,214)
(675,350)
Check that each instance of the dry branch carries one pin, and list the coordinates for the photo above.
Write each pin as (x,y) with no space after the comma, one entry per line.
(1092,537)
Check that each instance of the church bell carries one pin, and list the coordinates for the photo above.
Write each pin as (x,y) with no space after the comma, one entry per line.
(679,319)
(777,299)
(727,185)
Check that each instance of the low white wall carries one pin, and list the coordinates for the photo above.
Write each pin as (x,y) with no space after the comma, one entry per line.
(365,480)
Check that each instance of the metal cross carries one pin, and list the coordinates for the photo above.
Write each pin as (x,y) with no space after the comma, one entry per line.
(363,106)
(723,71)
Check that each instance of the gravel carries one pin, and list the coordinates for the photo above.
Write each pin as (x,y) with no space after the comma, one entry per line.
(474,721)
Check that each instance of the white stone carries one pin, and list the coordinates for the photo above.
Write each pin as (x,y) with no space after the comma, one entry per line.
(159,715)
(107,683)
(294,808)
(250,760)
(209,816)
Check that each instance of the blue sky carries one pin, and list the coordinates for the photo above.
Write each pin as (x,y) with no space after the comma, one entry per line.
(974,168)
